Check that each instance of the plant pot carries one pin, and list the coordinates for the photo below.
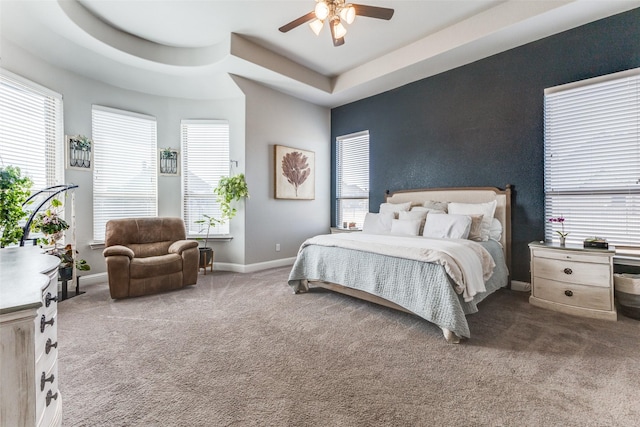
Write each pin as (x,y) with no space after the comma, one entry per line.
(206,259)
(65,273)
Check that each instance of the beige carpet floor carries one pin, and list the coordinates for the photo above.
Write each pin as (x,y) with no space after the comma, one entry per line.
(243,350)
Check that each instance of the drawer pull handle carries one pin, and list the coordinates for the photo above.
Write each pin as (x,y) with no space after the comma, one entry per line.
(49,345)
(568,293)
(49,298)
(44,322)
(51,396)
(567,271)
(44,379)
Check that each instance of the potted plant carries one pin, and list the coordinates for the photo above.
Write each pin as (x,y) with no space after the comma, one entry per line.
(229,189)
(14,191)
(65,269)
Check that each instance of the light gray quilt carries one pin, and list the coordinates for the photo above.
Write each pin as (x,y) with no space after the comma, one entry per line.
(422,288)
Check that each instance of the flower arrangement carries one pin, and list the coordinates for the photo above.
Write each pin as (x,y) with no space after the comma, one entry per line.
(50,224)
(561,233)
(80,142)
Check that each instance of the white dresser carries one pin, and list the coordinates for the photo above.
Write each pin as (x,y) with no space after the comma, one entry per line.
(29,393)
(573,280)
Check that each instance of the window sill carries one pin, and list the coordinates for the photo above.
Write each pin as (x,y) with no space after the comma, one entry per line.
(220,238)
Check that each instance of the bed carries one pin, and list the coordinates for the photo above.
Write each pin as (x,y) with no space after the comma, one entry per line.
(441,277)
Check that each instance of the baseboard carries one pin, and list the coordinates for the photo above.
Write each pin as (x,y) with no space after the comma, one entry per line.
(252,268)
(520,286)
(93,279)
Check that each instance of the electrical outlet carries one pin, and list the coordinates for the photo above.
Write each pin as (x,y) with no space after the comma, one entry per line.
(277,247)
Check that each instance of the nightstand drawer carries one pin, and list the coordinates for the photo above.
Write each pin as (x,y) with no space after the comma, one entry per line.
(571,294)
(570,256)
(588,274)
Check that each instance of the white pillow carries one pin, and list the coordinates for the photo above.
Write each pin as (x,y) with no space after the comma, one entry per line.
(377,223)
(487,209)
(495,231)
(447,226)
(394,208)
(415,214)
(405,227)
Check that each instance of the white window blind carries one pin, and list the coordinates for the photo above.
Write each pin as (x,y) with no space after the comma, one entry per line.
(125,162)
(31,130)
(352,178)
(592,159)
(205,159)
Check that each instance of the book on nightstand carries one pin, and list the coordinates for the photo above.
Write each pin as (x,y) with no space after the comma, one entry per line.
(595,243)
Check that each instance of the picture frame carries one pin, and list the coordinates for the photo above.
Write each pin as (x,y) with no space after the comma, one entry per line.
(78,153)
(294,173)
(168,162)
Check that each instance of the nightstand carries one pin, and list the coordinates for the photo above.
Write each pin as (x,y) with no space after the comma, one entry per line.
(573,280)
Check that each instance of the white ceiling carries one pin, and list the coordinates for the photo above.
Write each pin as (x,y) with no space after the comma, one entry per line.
(188,48)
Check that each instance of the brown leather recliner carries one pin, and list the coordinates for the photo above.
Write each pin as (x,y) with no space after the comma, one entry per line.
(149,255)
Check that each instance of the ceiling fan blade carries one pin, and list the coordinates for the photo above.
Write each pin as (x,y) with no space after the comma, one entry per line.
(336,41)
(297,22)
(373,11)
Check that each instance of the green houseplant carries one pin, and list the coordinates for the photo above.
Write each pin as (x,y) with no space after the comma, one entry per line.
(229,189)
(14,191)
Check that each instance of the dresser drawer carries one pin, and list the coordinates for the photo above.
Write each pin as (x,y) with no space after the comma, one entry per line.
(571,256)
(572,294)
(575,272)
(49,394)
(50,333)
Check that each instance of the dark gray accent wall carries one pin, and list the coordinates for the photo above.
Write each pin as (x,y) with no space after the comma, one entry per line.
(482,124)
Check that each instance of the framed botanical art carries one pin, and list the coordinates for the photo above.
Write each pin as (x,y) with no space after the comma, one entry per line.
(168,164)
(78,152)
(295,173)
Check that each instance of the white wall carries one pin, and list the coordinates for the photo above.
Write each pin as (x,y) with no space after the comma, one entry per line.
(79,93)
(259,118)
(276,119)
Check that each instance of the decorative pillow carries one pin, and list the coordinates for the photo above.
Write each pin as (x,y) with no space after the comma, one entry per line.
(394,208)
(415,214)
(487,209)
(475,232)
(447,226)
(436,206)
(495,231)
(405,227)
(377,223)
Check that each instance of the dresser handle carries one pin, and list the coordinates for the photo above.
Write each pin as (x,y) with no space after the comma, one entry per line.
(51,396)
(568,293)
(49,345)
(44,322)
(49,298)
(567,271)
(44,379)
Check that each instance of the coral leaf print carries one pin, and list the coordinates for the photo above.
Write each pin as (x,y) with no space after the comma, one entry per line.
(295,168)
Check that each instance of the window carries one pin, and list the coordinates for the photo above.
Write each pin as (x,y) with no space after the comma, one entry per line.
(125,161)
(205,158)
(31,130)
(352,178)
(592,159)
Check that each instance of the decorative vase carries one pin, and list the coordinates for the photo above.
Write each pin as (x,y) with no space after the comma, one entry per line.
(562,240)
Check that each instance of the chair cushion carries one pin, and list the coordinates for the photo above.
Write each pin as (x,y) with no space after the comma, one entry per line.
(155,266)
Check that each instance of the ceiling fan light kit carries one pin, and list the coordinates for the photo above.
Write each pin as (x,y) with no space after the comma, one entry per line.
(337,11)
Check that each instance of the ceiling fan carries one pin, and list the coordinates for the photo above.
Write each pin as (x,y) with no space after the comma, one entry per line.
(335,12)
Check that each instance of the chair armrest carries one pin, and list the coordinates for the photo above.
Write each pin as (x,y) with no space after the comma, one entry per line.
(180,246)
(118,250)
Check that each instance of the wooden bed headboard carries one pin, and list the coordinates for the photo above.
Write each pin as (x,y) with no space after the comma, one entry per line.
(466,195)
